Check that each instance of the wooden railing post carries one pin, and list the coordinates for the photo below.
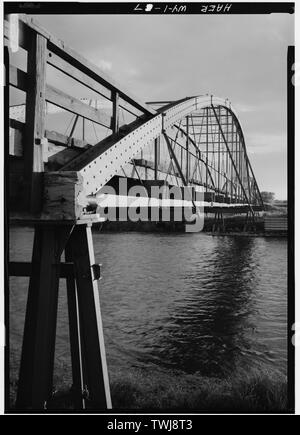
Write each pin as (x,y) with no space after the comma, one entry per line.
(35,123)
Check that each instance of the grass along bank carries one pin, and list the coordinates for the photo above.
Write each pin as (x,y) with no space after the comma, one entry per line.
(246,391)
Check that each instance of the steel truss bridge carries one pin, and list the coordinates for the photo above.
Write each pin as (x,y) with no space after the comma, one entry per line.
(73,131)
(197,141)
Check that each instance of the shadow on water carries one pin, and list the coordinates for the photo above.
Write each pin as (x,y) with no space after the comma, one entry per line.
(210,326)
(193,303)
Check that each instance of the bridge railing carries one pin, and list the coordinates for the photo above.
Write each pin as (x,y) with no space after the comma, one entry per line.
(33,148)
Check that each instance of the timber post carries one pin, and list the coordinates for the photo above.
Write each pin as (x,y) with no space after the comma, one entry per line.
(89,368)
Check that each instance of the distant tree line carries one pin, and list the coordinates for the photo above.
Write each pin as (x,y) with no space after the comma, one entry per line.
(268,197)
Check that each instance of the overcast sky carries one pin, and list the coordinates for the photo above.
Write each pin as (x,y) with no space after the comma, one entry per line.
(239,57)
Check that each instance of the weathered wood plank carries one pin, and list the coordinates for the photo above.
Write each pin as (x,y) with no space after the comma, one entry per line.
(57,142)
(63,140)
(18,125)
(35,122)
(18,78)
(58,47)
(20,268)
(62,196)
(59,156)
(71,104)
(15,142)
(24,36)
(65,67)
(99,86)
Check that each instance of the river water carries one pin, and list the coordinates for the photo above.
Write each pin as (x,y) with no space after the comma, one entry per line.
(189,302)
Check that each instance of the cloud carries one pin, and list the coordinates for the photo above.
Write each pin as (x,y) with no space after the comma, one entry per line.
(242,57)
(244,108)
(104,65)
(132,72)
(266,143)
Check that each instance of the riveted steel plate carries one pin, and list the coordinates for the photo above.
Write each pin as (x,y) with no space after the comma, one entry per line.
(101,168)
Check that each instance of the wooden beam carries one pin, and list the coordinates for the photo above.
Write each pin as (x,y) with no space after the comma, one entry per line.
(59,156)
(57,143)
(19,268)
(58,47)
(62,140)
(37,361)
(15,142)
(71,104)
(65,67)
(75,339)
(57,62)
(62,196)
(25,34)
(18,78)
(35,123)
(18,125)
(81,252)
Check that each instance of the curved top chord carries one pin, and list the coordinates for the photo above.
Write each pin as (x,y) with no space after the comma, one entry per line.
(101,162)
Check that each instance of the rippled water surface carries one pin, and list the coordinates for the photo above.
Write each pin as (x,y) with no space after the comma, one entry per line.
(184,301)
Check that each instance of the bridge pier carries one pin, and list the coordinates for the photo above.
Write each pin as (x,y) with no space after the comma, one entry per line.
(89,369)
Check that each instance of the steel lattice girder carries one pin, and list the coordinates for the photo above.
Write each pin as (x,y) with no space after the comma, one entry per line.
(101,162)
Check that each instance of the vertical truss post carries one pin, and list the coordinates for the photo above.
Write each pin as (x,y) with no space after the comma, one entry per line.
(187,150)
(241,162)
(227,169)
(156,151)
(219,151)
(248,178)
(206,149)
(35,122)
(231,165)
(115,113)
(236,160)
(247,166)
(73,129)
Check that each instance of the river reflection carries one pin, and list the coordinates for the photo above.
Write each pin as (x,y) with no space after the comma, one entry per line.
(188,302)
(211,323)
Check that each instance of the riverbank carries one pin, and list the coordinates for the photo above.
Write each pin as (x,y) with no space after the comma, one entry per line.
(234,225)
(249,391)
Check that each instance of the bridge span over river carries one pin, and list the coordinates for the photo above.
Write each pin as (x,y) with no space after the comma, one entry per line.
(75,133)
